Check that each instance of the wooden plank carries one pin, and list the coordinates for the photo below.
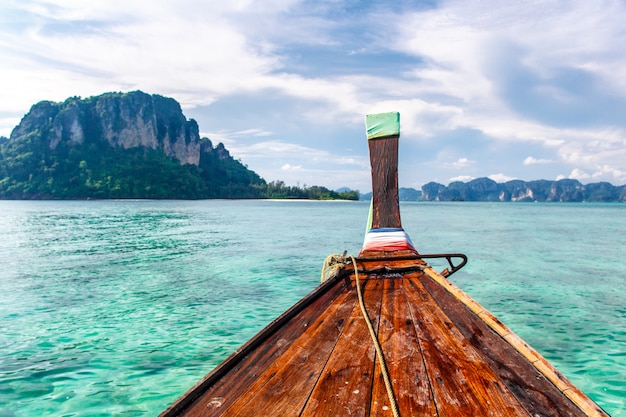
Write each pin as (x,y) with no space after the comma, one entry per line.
(589,407)
(537,395)
(345,385)
(405,365)
(462,383)
(379,265)
(519,344)
(284,387)
(472,304)
(236,377)
(385,200)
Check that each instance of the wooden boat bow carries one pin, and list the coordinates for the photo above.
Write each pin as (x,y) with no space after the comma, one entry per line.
(445,354)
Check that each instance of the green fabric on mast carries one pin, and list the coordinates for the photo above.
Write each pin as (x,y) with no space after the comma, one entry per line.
(370,216)
(382,125)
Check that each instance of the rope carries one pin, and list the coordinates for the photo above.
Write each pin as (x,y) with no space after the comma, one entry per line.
(379,349)
(334,263)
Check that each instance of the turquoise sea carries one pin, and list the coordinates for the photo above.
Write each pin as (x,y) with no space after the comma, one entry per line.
(115,308)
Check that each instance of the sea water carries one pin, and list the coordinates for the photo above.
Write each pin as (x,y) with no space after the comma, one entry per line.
(116,308)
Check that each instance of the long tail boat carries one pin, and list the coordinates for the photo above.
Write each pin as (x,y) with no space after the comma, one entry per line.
(385,334)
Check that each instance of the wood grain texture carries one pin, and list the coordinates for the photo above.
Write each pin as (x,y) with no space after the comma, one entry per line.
(536,394)
(463,384)
(284,387)
(385,200)
(569,390)
(403,357)
(345,384)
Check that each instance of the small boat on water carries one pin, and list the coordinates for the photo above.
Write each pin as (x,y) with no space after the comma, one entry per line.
(385,335)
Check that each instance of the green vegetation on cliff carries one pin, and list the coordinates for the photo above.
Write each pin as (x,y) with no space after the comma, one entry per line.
(278,189)
(29,171)
(125,145)
(116,145)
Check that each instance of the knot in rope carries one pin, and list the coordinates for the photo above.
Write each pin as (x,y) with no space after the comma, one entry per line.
(332,264)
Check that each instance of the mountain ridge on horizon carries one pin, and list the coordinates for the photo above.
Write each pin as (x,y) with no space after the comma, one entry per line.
(486,189)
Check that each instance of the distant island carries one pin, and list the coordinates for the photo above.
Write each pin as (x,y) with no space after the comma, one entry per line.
(485,189)
(127,145)
(404,194)
(564,190)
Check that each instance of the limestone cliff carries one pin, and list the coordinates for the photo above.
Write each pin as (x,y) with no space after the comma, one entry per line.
(118,145)
(127,120)
(485,189)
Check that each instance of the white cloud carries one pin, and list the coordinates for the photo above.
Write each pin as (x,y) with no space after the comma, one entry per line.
(607,171)
(579,174)
(501,178)
(534,161)
(252,132)
(285,150)
(466,50)
(462,163)
(603,173)
(156,46)
(289,167)
(306,165)
(462,178)
(461,41)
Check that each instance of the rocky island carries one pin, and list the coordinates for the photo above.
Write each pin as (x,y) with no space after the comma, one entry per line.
(485,189)
(126,145)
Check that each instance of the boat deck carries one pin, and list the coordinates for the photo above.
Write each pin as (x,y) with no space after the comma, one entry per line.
(445,357)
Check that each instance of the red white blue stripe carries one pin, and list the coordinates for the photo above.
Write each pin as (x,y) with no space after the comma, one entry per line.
(387,239)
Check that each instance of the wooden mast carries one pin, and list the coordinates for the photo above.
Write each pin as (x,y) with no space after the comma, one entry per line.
(385,235)
(383,133)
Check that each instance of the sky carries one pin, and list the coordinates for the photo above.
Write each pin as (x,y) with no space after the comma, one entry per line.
(506,90)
